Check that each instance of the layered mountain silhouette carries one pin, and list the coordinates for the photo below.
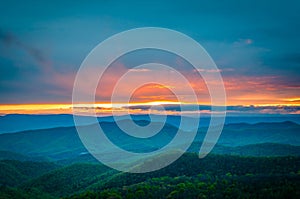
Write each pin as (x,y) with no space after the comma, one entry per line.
(63,142)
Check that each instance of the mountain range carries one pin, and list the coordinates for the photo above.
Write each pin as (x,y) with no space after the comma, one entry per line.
(21,122)
(63,142)
(257,156)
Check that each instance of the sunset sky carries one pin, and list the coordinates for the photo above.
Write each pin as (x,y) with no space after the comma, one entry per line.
(255,44)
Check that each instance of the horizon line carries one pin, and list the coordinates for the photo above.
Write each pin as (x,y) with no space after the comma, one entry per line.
(142,108)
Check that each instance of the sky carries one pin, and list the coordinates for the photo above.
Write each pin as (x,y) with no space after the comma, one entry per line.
(255,44)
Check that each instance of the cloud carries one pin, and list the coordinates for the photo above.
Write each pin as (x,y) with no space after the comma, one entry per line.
(256,51)
(232,110)
(11,41)
(30,73)
(208,70)
(242,42)
(139,70)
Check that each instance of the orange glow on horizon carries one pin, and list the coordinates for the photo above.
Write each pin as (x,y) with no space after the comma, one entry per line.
(68,108)
(106,108)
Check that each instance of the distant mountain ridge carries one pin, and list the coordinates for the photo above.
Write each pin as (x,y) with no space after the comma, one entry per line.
(64,142)
(21,122)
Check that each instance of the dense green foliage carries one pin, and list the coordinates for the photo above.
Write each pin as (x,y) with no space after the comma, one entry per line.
(205,186)
(216,176)
(70,179)
(212,177)
(13,172)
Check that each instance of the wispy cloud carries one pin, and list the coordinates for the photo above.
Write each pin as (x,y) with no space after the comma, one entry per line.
(42,47)
(12,41)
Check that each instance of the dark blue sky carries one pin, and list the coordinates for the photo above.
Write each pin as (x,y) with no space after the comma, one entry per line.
(43,44)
